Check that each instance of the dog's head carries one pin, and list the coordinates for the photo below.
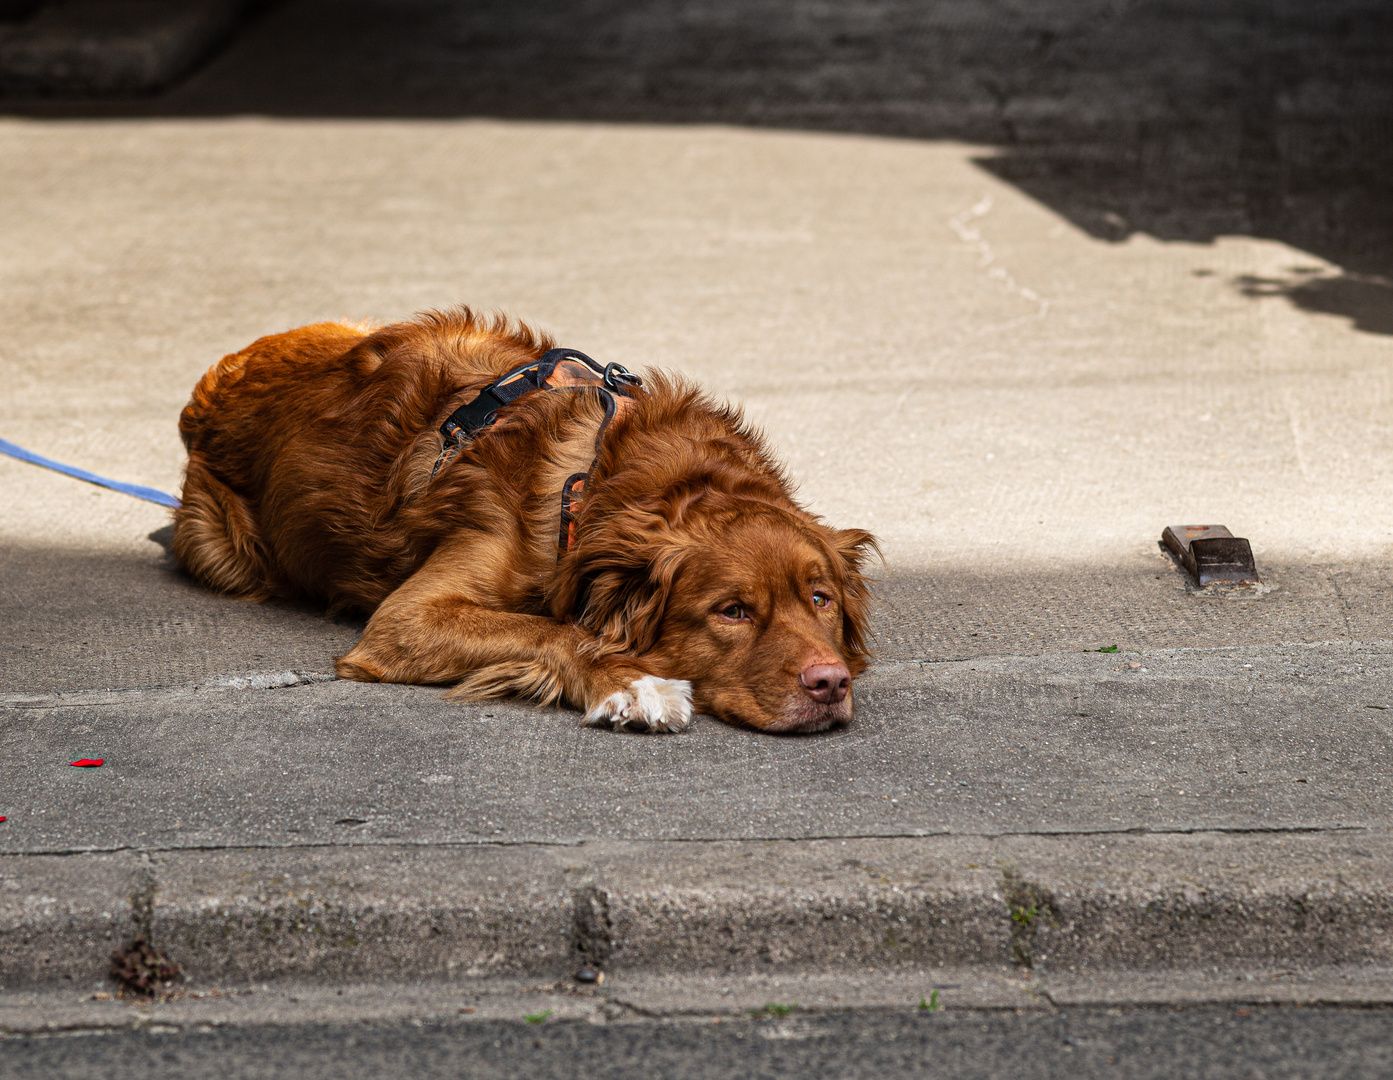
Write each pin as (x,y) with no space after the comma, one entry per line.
(762,607)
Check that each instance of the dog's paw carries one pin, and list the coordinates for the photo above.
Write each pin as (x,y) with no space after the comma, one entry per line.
(649,704)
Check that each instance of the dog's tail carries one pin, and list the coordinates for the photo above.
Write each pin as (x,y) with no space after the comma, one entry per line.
(215,532)
(216,538)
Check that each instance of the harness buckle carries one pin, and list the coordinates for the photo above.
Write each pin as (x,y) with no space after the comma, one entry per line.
(617,375)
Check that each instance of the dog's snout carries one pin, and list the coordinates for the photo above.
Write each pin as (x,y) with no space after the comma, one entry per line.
(826,683)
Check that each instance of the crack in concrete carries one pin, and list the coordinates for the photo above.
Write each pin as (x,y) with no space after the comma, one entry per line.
(144,886)
(592,932)
(1027,905)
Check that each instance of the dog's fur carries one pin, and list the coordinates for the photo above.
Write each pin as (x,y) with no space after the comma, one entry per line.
(309,477)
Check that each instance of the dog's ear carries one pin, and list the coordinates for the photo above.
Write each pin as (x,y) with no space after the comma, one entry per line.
(625,608)
(850,550)
(618,588)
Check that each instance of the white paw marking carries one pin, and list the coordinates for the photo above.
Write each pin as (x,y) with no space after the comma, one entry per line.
(649,704)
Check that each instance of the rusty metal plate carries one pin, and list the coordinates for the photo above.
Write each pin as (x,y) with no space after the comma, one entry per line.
(1212,554)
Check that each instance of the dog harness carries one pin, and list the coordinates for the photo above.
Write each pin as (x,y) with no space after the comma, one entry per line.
(559,369)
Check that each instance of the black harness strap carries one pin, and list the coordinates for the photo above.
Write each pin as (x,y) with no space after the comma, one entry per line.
(477,415)
(574,487)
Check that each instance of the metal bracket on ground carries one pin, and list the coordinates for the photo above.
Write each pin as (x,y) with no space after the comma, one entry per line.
(1211,554)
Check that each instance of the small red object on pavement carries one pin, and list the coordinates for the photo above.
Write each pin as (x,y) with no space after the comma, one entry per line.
(3,817)
(87,762)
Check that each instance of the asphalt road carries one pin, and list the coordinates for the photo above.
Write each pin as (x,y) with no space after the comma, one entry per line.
(1247,1043)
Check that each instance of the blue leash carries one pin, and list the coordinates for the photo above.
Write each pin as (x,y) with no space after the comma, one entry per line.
(140,492)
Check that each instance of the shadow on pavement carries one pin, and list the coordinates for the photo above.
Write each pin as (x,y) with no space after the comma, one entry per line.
(72,620)
(1138,604)
(1365,299)
(1185,120)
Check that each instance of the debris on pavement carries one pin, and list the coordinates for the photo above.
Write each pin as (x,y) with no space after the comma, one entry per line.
(142,969)
(87,762)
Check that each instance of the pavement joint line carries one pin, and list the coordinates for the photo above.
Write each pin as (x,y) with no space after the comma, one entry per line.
(163,1023)
(573,845)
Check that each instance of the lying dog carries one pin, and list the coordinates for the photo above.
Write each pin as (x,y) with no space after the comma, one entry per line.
(519,520)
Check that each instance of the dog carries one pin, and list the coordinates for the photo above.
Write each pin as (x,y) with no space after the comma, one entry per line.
(517,520)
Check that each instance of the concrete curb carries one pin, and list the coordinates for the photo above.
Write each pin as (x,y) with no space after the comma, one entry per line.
(1054,906)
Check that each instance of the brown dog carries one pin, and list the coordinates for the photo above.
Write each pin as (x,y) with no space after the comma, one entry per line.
(326,464)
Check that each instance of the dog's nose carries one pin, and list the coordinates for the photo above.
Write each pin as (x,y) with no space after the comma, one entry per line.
(826,683)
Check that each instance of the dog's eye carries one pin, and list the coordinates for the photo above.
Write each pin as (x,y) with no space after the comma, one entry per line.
(735,613)
(820,599)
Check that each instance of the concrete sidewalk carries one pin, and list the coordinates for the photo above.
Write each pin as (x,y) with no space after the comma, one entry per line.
(1014,402)
(1016,832)
(1290,739)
